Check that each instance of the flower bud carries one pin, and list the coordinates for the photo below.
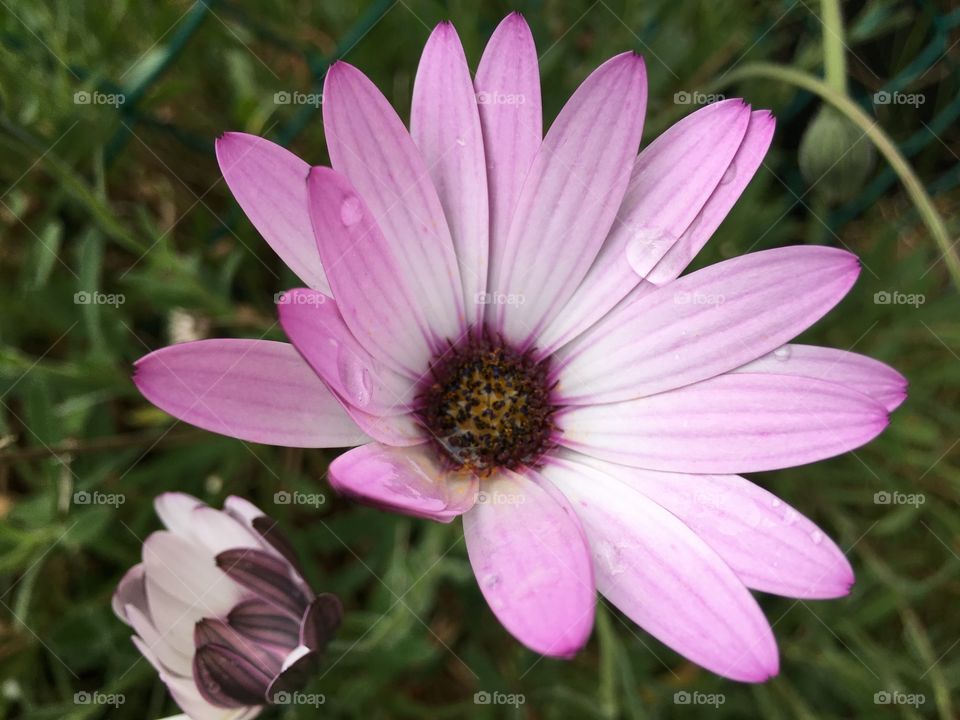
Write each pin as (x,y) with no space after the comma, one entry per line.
(221,610)
(835,156)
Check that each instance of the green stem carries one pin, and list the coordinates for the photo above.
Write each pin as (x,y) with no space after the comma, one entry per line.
(921,200)
(72,448)
(834,59)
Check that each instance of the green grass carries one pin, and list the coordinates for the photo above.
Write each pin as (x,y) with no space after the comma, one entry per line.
(128,201)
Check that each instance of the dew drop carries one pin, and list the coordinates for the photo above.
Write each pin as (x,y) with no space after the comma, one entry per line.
(405,478)
(612,558)
(350,211)
(461,142)
(782,353)
(817,537)
(355,377)
(489,583)
(775,503)
(730,174)
(646,246)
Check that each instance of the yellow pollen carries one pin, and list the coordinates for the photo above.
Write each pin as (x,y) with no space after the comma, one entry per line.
(489,407)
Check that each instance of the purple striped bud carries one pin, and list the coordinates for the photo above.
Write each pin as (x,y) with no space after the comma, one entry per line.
(221,609)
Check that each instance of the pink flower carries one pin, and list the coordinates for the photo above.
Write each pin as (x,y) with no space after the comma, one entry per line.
(221,611)
(495,319)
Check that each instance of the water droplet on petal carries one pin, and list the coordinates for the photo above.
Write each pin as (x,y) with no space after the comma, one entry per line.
(782,353)
(355,376)
(730,174)
(350,211)
(611,556)
(402,476)
(775,503)
(646,246)
(490,583)
(461,142)
(816,536)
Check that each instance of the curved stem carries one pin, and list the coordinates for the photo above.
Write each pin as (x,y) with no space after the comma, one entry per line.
(921,200)
(834,59)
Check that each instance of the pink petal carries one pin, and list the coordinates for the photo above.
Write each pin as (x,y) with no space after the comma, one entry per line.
(370,146)
(183,586)
(216,531)
(268,182)
(355,378)
(406,480)
(666,579)
(175,510)
(732,423)
(394,430)
(242,509)
(767,543)
(380,300)
(859,372)
(151,657)
(531,560)
(314,325)
(255,390)
(131,590)
(445,125)
(165,656)
(173,617)
(570,197)
(185,694)
(705,324)
(508,94)
(188,573)
(672,180)
(742,168)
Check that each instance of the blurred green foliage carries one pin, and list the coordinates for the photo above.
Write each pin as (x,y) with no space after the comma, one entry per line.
(126,200)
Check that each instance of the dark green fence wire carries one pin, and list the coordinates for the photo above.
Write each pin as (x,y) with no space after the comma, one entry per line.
(132,112)
(129,110)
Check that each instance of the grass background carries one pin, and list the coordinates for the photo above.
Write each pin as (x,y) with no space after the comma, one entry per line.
(128,200)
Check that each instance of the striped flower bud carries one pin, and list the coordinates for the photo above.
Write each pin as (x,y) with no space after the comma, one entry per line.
(221,609)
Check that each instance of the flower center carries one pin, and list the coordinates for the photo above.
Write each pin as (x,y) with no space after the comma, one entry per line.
(488,406)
